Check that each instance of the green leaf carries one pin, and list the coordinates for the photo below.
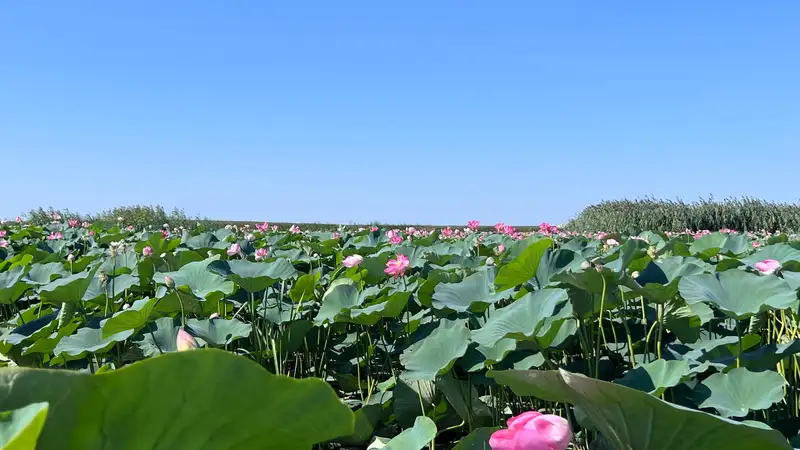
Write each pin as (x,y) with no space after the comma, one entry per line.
(385,306)
(524,267)
(182,400)
(303,289)
(657,376)
(437,353)
(341,295)
(44,273)
(736,393)
(414,438)
(526,318)
(196,279)
(465,399)
(254,276)
(89,340)
(634,420)
(67,290)
(461,296)
(737,293)
(20,428)
(218,332)
(10,290)
(114,287)
(132,318)
(158,337)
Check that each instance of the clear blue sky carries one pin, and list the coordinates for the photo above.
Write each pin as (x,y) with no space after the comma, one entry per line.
(413,112)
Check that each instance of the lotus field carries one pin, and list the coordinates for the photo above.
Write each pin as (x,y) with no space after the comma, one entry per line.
(404,339)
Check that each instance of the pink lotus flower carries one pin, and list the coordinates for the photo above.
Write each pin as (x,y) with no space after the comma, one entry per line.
(768,266)
(294,229)
(447,232)
(373,229)
(335,235)
(397,267)
(19,219)
(756,244)
(274,228)
(234,250)
(499,226)
(533,431)
(73,223)
(612,242)
(91,232)
(3,233)
(147,251)
(473,225)
(56,216)
(508,229)
(55,236)
(499,249)
(86,224)
(353,260)
(261,253)
(3,243)
(392,233)
(263,227)
(185,341)
(165,233)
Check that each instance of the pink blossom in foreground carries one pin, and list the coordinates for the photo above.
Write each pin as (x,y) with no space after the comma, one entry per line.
(397,267)
(234,250)
(447,232)
(55,236)
(73,223)
(499,249)
(3,233)
(396,240)
(353,260)
(392,233)
(533,431)
(147,251)
(756,244)
(499,226)
(294,229)
(473,225)
(261,253)
(3,243)
(768,266)
(185,341)
(263,227)
(508,229)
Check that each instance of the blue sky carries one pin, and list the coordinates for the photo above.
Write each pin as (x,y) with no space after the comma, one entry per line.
(410,112)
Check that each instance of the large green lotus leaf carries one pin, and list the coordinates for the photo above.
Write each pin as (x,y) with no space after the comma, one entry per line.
(461,296)
(158,244)
(428,287)
(218,332)
(736,393)
(782,253)
(634,420)
(385,306)
(478,439)
(114,287)
(31,330)
(410,397)
(303,289)
(48,344)
(44,273)
(197,279)
(158,337)
(184,400)
(277,312)
(711,350)
(525,318)
(122,262)
(340,297)
(737,293)
(202,241)
(20,428)
(132,318)
(10,290)
(715,243)
(254,276)
(89,340)
(67,290)
(523,267)
(658,282)
(630,250)
(174,302)
(657,376)
(414,438)
(793,278)
(685,321)
(436,353)
(554,262)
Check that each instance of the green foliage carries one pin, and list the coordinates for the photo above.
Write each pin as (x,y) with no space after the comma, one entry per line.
(746,214)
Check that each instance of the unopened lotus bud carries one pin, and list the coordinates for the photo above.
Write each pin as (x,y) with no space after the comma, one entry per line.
(70,257)
(169,281)
(490,261)
(635,274)
(126,306)
(586,265)
(249,237)
(210,253)
(120,219)
(163,255)
(214,316)
(652,252)
(112,251)
(103,277)
(598,267)
(185,341)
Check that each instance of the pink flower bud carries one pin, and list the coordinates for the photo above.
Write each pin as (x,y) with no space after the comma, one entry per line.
(185,341)
(147,251)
